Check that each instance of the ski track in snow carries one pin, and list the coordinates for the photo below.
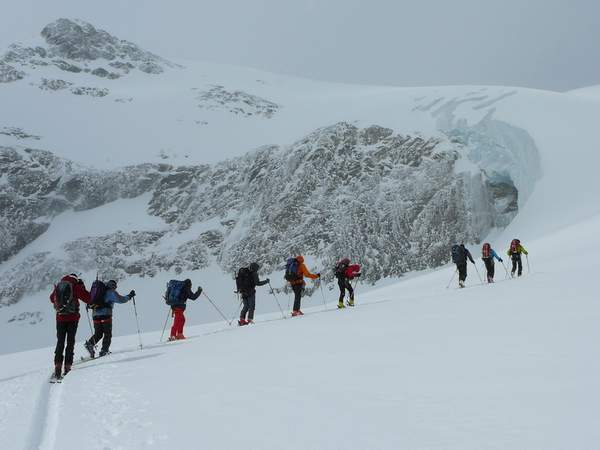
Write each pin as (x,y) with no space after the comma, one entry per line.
(45,417)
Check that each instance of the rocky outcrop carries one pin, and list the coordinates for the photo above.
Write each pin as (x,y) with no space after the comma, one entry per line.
(395,203)
(75,46)
(236,102)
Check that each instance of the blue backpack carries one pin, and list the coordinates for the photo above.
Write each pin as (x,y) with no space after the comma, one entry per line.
(291,270)
(174,294)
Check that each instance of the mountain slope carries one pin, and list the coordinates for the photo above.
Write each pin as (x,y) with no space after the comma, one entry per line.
(415,365)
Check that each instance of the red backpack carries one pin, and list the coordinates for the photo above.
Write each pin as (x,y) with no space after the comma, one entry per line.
(486,250)
(514,246)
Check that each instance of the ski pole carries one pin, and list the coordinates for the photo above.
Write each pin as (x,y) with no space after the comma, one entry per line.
(528,267)
(505,269)
(165,326)
(235,313)
(215,306)
(89,322)
(453,275)
(323,295)
(137,322)
(278,304)
(477,271)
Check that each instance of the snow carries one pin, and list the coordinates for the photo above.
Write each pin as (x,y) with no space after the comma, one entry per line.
(414,365)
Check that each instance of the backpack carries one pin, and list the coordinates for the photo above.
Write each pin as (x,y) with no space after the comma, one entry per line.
(97,293)
(351,271)
(174,294)
(514,246)
(486,250)
(457,254)
(340,269)
(291,270)
(244,281)
(65,301)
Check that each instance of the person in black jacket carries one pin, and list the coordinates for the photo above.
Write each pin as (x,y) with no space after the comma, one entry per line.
(247,289)
(179,318)
(460,254)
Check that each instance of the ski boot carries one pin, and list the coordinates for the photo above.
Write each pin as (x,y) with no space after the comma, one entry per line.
(67,370)
(90,348)
(351,302)
(103,353)
(297,313)
(242,322)
(341,305)
(180,337)
(461,284)
(172,338)
(57,371)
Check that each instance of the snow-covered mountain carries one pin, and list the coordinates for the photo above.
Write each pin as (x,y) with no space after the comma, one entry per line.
(118,162)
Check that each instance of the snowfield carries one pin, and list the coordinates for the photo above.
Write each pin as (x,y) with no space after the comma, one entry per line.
(413,365)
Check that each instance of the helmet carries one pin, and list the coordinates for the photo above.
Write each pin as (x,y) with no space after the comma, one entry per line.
(345,261)
(254,267)
(111,284)
(300,259)
(187,282)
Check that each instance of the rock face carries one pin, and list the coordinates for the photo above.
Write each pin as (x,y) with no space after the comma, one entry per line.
(236,102)
(395,203)
(76,46)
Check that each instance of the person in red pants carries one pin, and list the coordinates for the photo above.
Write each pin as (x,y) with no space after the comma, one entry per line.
(65,297)
(179,309)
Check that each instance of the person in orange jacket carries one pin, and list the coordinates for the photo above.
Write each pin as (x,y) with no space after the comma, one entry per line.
(295,271)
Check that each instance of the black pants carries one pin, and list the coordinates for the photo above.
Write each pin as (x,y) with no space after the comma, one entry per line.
(102,331)
(65,331)
(249,302)
(343,284)
(489,266)
(298,290)
(462,271)
(517,263)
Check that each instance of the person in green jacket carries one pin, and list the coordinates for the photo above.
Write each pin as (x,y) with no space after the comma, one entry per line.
(515,251)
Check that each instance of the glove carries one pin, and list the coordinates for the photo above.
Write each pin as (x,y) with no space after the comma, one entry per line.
(268,281)
(199,290)
(501,260)
(318,275)
(132,294)
(357,274)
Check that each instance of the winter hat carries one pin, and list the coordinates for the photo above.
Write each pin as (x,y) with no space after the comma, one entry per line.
(254,267)
(111,284)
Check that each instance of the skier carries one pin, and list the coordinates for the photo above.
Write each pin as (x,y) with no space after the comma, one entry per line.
(345,272)
(459,257)
(487,255)
(65,297)
(179,308)
(295,272)
(246,281)
(514,252)
(102,317)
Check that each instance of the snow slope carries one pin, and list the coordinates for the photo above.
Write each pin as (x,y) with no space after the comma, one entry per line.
(414,365)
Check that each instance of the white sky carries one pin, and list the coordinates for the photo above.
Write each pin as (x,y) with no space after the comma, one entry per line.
(550,44)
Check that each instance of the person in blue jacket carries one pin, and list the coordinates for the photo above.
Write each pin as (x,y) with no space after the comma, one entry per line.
(102,317)
(487,255)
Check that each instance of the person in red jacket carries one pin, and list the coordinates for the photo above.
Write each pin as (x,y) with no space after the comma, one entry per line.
(65,297)
(345,272)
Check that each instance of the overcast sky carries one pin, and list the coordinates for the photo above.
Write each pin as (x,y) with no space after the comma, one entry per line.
(548,44)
